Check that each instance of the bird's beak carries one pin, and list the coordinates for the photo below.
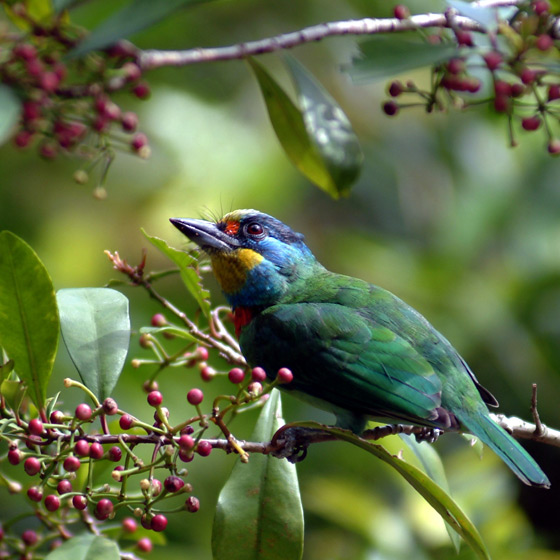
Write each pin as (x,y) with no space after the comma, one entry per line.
(205,234)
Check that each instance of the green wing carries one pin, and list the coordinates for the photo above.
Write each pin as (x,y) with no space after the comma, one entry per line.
(345,361)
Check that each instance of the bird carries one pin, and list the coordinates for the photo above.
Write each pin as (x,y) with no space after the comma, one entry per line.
(354,348)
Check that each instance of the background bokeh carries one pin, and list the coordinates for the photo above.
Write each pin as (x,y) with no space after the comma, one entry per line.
(445,215)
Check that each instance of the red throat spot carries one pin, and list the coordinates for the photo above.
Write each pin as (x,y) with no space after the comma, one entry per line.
(242,316)
(232,227)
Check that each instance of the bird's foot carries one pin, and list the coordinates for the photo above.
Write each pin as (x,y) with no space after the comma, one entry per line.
(430,435)
(292,443)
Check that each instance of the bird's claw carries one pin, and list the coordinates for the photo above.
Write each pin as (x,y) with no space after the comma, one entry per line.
(292,443)
(429,435)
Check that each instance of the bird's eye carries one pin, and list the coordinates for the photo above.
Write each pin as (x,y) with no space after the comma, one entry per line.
(254,229)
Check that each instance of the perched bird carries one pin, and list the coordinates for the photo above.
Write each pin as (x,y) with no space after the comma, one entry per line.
(354,349)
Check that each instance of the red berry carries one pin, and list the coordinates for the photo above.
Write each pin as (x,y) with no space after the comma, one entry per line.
(187,430)
(23,138)
(31,110)
(81,448)
(541,7)
(186,442)
(14,456)
(531,123)
(25,51)
(129,525)
(517,90)
(52,502)
(464,38)
(83,412)
(49,81)
(390,108)
(204,448)
(32,466)
(501,104)
(115,454)
(129,121)
(110,406)
(456,66)
(554,147)
(186,456)
(258,374)
(126,421)
(395,89)
(56,417)
(71,463)
(79,502)
(528,76)
(195,396)
(401,12)
(207,373)
(131,71)
(502,88)
(473,85)
(141,90)
(544,42)
(158,320)
(139,141)
(48,150)
(493,60)
(155,398)
(173,483)
(553,92)
(285,375)
(144,545)
(29,537)
(96,450)
(103,509)
(192,504)
(201,353)
(236,375)
(150,385)
(34,493)
(64,486)
(159,523)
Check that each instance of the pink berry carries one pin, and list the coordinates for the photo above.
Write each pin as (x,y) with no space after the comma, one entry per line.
(35,494)
(186,442)
(103,509)
(25,51)
(79,502)
(501,104)
(553,92)
(401,12)
(29,537)
(192,504)
(129,122)
(258,374)
(531,123)
(31,110)
(464,38)
(186,456)
(83,412)
(517,90)
(14,456)
(48,150)
(390,108)
(204,448)
(195,396)
(544,42)
(96,450)
(139,141)
(64,486)
(52,502)
(493,60)
(71,464)
(285,375)
(81,448)
(144,545)
(236,375)
(159,320)
(528,76)
(554,147)
(155,398)
(23,138)
(541,7)
(56,417)
(129,525)
(173,483)
(49,81)
(455,66)
(126,421)
(141,90)
(115,454)
(132,71)
(32,466)
(502,88)
(201,353)
(110,406)
(150,385)
(159,523)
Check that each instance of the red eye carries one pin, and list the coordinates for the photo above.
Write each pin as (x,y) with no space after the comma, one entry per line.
(254,229)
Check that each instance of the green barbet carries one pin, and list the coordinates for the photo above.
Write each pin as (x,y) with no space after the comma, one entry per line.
(354,349)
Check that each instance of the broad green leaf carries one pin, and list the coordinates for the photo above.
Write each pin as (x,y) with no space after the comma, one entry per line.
(86,547)
(487,17)
(6,369)
(384,57)
(29,323)
(10,107)
(329,130)
(59,5)
(38,10)
(300,134)
(96,331)
(259,514)
(434,494)
(186,264)
(135,16)
(13,392)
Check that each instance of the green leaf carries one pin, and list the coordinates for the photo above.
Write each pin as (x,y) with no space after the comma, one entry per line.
(13,392)
(259,514)
(132,18)
(384,57)
(189,275)
(324,149)
(10,108)
(36,10)
(96,331)
(487,17)
(434,494)
(329,130)
(29,323)
(60,5)
(6,369)
(86,547)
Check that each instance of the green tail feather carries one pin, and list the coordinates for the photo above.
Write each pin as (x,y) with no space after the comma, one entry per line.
(508,449)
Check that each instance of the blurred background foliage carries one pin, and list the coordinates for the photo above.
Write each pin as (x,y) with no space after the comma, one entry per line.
(445,215)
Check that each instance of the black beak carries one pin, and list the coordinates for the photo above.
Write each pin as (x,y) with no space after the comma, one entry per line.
(205,234)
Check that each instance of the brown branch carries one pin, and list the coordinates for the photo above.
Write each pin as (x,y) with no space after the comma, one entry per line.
(520,429)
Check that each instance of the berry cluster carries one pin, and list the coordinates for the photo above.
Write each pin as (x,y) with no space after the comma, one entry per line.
(524,83)
(66,104)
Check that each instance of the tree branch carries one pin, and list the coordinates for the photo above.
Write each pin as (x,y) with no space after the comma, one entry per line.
(151,59)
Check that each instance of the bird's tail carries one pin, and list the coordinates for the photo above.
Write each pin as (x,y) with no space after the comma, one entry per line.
(508,449)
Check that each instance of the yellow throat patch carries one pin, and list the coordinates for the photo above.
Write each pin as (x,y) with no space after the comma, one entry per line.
(231,268)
